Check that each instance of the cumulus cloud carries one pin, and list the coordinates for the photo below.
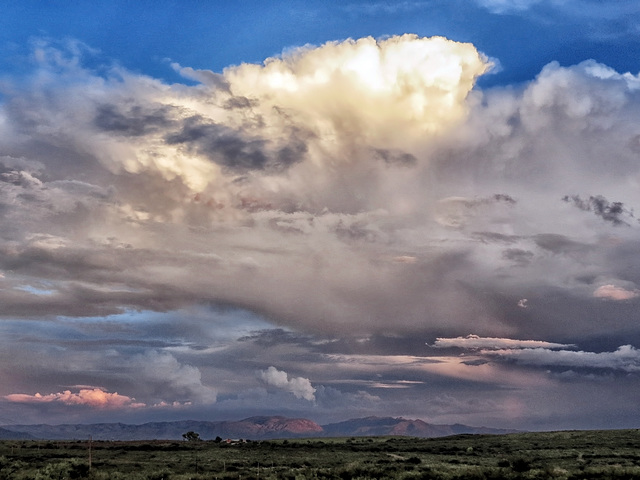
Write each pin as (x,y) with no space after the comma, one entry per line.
(300,387)
(94,397)
(163,376)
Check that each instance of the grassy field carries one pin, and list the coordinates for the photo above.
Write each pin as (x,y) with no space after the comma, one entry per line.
(559,455)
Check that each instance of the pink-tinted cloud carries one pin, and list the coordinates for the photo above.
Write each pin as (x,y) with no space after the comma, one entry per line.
(94,397)
(611,292)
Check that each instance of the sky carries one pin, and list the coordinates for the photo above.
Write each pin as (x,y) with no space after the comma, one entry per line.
(321,209)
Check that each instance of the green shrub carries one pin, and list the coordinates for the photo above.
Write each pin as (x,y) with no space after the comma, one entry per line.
(521,465)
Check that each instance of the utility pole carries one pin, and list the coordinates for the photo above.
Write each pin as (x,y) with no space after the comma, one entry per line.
(90,439)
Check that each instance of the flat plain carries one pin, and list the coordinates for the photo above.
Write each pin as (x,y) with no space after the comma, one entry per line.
(610,454)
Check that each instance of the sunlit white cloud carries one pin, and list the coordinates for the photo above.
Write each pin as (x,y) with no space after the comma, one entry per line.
(300,387)
(308,103)
(475,342)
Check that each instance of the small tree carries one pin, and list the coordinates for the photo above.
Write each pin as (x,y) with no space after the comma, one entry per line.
(191,436)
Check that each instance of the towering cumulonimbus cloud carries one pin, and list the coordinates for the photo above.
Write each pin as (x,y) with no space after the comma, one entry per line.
(283,168)
(362,186)
(343,109)
(351,212)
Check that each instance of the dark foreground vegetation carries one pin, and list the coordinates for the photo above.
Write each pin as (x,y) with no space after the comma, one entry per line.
(559,455)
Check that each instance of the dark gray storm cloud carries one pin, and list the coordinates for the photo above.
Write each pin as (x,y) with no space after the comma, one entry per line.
(561,244)
(392,157)
(240,103)
(518,255)
(235,150)
(613,212)
(137,120)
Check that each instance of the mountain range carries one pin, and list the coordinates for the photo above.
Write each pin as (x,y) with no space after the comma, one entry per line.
(11,435)
(254,428)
